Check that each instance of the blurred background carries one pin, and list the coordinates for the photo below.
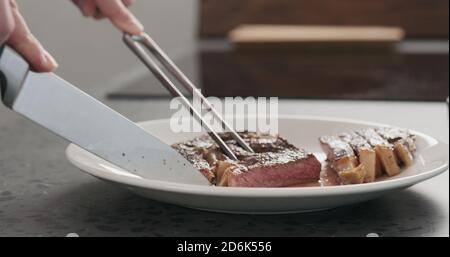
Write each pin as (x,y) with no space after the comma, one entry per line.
(406,59)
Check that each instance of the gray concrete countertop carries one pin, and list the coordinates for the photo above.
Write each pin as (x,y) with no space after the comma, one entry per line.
(42,194)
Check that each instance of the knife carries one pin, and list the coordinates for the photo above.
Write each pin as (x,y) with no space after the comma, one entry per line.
(76,116)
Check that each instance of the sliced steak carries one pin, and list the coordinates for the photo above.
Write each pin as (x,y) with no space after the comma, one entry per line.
(403,141)
(366,154)
(384,150)
(343,160)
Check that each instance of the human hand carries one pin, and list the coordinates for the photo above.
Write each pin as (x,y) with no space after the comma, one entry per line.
(15,33)
(115,10)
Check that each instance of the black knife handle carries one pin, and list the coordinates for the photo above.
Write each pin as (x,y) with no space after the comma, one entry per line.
(2,76)
(13,72)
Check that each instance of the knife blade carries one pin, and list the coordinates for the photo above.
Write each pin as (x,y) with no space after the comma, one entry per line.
(76,116)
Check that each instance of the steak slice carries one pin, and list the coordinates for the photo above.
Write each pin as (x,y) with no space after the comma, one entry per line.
(343,160)
(403,141)
(366,154)
(384,150)
(275,163)
(275,169)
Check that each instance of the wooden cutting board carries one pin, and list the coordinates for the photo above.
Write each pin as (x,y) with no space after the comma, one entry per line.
(314,36)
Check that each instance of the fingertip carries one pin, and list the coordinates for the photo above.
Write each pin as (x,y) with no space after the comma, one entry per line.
(120,16)
(46,63)
(136,30)
(129,26)
(134,26)
(52,64)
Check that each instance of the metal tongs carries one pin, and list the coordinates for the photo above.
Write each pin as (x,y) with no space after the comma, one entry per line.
(137,44)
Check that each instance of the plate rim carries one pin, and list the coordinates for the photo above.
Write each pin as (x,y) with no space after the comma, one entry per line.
(180,188)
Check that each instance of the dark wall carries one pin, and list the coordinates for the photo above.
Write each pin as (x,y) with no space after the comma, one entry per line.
(420,18)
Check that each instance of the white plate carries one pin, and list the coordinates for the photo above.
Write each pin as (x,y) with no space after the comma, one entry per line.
(431,160)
